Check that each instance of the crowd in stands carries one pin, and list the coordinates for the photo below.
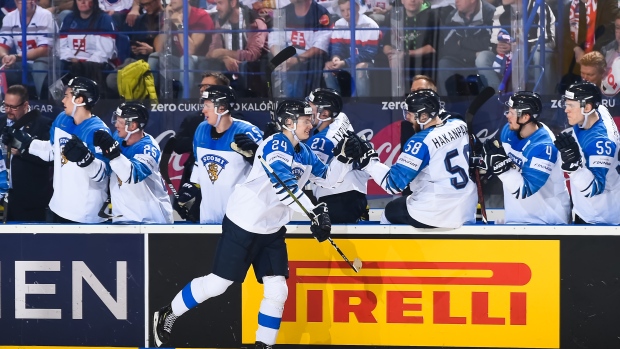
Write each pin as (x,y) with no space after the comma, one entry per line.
(459,43)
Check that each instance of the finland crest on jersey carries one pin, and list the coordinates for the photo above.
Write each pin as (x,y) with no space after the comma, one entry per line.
(213,164)
(62,141)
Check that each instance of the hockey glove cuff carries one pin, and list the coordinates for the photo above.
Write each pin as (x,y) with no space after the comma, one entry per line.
(109,146)
(76,151)
(321,224)
(340,150)
(569,151)
(495,157)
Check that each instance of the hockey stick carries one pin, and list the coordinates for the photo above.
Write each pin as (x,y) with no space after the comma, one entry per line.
(357,263)
(163,169)
(476,104)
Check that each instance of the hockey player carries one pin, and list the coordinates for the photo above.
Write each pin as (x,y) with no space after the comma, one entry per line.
(589,155)
(253,229)
(134,157)
(347,203)
(80,170)
(526,161)
(218,168)
(434,164)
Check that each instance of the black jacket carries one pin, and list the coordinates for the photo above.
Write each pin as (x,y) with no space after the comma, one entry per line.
(31,177)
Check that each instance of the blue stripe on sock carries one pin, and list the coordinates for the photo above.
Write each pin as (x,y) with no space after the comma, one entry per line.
(188,298)
(269,321)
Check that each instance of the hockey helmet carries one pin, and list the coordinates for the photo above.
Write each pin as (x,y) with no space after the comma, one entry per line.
(326,99)
(220,96)
(292,109)
(422,101)
(584,92)
(85,88)
(133,112)
(525,102)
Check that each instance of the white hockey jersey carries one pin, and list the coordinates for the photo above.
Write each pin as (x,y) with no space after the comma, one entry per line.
(535,192)
(79,192)
(138,192)
(260,204)
(86,41)
(435,164)
(40,32)
(218,168)
(595,185)
(322,144)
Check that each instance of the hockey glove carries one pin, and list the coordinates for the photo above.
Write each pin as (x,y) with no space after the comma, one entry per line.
(368,154)
(321,224)
(245,146)
(109,146)
(569,151)
(340,150)
(188,194)
(76,151)
(17,139)
(495,158)
(270,129)
(476,158)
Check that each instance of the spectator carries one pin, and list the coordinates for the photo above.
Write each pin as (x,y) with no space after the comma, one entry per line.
(306,30)
(235,50)
(420,39)
(461,45)
(41,28)
(185,135)
(59,8)
(584,33)
(593,67)
(198,22)
(366,45)
(121,11)
(611,51)
(378,10)
(142,42)
(83,52)
(31,180)
(423,82)
(492,64)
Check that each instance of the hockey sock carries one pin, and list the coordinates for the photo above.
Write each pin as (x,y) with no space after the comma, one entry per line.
(197,291)
(271,309)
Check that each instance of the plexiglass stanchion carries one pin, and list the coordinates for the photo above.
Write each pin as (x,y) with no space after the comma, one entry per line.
(279,75)
(397,61)
(165,74)
(519,47)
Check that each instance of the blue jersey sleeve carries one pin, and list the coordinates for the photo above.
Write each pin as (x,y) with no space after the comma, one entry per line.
(278,153)
(414,158)
(322,147)
(4,182)
(198,135)
(143,157)
(598,155)
(541,160)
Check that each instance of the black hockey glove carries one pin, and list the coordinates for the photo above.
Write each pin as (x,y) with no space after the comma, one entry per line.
(245,146)
(76,151)
(368,154)
(476,158)
(340,150)
(188,194)
(495,158)
(270,129)
(569,151)
(17,139)
(321,224)
(109,146)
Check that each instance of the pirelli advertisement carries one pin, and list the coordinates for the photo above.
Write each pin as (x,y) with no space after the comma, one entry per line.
(436,291)
(472,293)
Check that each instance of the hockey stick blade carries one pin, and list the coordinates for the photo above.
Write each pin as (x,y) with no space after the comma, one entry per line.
(477,103)
(357,263)
(282,56)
